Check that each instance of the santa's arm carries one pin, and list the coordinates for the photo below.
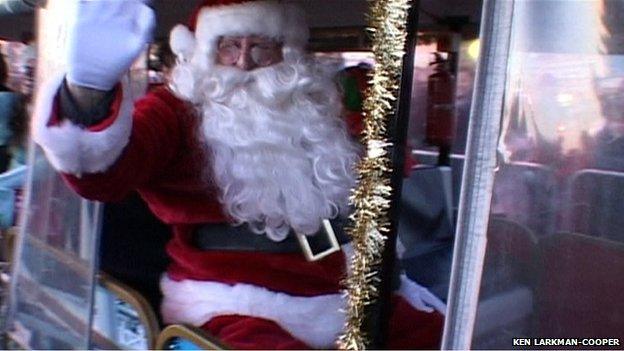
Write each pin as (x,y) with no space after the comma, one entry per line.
(122,151)
(84,118)
(84,106)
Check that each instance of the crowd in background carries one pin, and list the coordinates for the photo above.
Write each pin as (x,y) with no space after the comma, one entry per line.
(17,63)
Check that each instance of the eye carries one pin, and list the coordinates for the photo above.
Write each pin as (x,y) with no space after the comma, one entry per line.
(229,46)
(266,47)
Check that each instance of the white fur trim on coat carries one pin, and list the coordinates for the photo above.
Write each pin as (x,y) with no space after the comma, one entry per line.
(316,320)
(73,149)
(267,18)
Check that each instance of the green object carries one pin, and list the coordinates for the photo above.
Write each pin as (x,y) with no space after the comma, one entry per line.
(352,95)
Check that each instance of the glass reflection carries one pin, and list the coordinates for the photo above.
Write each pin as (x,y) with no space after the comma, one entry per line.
(122,318)
(52,279)
(555,257)
(432,183)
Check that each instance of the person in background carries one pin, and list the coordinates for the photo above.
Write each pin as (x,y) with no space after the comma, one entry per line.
(354,82)
(27,63)
(608,144)
(9,109)
(244,156)
(18,124)
(14,118)
(161,62)
(12,135)
(4,74)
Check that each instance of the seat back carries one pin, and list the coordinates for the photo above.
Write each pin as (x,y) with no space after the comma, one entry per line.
(580,286)
(185,337)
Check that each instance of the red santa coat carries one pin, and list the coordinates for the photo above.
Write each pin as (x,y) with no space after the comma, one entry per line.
(154,147)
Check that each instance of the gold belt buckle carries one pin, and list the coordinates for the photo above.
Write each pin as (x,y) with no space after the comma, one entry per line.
(307,250)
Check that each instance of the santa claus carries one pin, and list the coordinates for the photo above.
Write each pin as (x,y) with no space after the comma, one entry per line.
(244,153)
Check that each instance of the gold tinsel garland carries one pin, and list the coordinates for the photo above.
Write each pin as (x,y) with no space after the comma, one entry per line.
(371,198)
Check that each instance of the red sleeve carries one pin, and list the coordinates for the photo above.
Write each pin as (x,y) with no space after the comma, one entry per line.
(155,139)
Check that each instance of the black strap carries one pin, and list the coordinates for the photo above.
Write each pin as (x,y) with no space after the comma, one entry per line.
(226,237)
(71,110)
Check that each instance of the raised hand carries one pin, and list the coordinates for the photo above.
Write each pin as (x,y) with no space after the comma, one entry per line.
(104,39)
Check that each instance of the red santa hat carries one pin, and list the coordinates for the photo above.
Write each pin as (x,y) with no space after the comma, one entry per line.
(216,18)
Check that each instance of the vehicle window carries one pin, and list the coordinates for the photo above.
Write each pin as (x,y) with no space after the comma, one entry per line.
(555,256)
(444,68)
(54,263)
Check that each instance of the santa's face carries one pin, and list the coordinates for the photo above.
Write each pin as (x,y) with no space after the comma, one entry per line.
(248,52)
(280,153)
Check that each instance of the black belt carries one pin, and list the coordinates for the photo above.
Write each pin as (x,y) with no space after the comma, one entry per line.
(223,236)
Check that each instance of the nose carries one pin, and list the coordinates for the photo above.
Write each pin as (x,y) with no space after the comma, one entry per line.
(245,61)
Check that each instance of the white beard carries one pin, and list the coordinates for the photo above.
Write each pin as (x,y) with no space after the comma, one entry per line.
(279,152)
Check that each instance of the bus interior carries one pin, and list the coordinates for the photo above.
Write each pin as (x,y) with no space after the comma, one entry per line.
(553,266)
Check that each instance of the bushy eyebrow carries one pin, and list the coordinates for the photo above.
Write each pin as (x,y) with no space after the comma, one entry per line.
(254,40)
(229,40)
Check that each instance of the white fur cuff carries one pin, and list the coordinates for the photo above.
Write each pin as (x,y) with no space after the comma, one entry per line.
(72,149)
(316,320)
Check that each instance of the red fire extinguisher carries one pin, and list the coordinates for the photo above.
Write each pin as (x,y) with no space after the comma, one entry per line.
(441,116)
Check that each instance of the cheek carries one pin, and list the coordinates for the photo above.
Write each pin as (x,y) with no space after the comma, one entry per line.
(222,61)
(268,58)
(279,56)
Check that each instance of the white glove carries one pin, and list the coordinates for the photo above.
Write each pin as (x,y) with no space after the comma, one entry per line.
(104,40)
(419,297)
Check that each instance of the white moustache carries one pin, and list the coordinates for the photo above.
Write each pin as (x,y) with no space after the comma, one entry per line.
(281,155)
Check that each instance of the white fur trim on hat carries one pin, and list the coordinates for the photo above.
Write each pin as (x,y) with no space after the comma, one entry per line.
(266,18)
(316,320)
(182,42)
(72,149)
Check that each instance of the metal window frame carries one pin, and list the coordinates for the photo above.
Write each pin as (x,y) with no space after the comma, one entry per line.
(478,174)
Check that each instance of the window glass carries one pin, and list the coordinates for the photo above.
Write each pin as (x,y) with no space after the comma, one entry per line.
(53,277)
(443,77)
(554,264)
